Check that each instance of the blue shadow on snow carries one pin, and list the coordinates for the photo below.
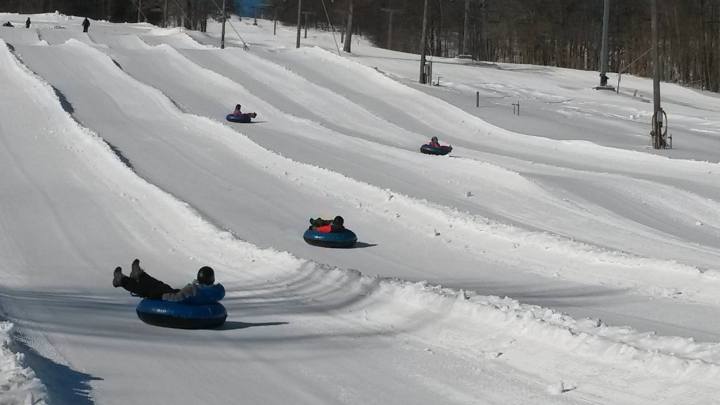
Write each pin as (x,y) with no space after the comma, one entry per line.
(64,385)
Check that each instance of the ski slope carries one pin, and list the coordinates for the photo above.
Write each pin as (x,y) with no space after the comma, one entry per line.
(524,268)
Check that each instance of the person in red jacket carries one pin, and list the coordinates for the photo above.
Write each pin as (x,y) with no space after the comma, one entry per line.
(326,225)
(434,142)
(237,110)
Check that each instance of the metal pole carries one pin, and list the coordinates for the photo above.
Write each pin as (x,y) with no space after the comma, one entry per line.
(255,15)
(222,35)
(604,49)
(656,76)
(297,43)
(275,20)
(138,10)
(423,79)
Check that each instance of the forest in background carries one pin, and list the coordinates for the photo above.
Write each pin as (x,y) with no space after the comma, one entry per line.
(192,14)
(565,33)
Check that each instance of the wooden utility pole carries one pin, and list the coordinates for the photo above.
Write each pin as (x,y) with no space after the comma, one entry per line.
(658,141)
(297,43)
(222,35)
(391,12)
(348,28)
(655,56)
(423,78)
(604,47)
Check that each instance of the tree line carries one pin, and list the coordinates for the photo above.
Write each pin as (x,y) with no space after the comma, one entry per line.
(192,14)
(564,33)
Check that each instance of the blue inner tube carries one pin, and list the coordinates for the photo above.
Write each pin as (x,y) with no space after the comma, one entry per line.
(243,118)
(442,150)
(179,315)
(342,239)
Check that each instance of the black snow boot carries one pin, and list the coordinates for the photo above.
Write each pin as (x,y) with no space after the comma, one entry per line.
(117,277)
(136,270)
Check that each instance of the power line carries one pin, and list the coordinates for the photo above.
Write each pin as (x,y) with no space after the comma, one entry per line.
(332,28)
(245,45)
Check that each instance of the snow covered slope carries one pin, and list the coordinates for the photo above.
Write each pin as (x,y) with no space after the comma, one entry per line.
(596,212)
(115,147)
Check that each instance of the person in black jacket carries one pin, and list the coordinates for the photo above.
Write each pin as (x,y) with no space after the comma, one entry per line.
(144,285)
(27,23)
(86,24)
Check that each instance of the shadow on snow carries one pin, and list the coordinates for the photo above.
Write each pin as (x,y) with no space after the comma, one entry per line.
(64,385)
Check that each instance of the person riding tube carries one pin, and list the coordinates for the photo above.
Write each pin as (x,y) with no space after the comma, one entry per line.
(329,233)
(193,306)
(434,147)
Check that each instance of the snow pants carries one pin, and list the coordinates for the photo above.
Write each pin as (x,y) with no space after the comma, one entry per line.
(147,286)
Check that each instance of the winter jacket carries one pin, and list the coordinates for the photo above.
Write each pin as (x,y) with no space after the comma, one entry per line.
(196,293)
(434,144)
